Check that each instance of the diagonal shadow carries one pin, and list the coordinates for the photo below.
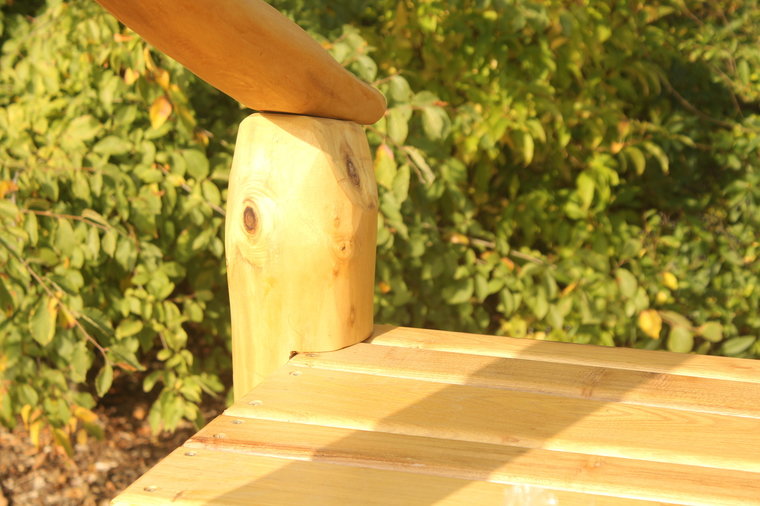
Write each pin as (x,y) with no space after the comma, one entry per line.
(434,435)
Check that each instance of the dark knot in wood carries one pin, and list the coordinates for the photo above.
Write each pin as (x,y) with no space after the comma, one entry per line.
(353,175)
(249,220)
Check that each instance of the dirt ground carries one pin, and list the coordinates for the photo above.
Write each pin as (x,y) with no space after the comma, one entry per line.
(98,470)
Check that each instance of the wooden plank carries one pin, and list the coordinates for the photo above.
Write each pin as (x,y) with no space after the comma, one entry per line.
(578,381)
(568,353)
(197,476)
(505,464)
(250,51)
(528,420)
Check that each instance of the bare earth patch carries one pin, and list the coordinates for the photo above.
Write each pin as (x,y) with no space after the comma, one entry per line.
(98,470)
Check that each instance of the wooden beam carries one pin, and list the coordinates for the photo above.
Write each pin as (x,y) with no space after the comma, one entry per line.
(300,241)
(250,51)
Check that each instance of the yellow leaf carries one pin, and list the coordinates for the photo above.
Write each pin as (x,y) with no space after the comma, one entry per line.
(669,280)
(63,440)
(34,433)
(130,76)
(26,410)
(650,322)
(81,437)
(160,111)
(7,187)
(459,239)
(162,78)
(149,64)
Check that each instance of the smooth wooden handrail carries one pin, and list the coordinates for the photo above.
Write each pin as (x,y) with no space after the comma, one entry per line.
(250,51)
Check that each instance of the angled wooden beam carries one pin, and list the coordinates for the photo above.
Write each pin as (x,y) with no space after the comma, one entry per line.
(250,51)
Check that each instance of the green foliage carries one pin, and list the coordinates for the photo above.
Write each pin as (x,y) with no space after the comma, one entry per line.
(554,170)
(566,167)
(110,220)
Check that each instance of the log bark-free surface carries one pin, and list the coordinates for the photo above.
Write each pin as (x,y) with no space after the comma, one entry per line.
(250,51)
(300,241)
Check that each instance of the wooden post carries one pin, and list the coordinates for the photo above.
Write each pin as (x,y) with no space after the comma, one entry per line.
(300,239)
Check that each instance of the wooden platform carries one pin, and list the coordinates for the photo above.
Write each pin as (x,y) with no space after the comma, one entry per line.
(427,417)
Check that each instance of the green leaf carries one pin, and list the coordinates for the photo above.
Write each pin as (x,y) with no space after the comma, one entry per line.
(435,123)
(737,345)
(637,159)
(103,380)
(112,145)
(626,282)
(128,328)
(524,144)
(27,395)
(83,128)
(8,209)
(109,242)
(712,331)
(680,339)
(385,166)
(659,155)
(399,90)
(80,362)
(585,189)
(42,322)
(398,124)
(197,163)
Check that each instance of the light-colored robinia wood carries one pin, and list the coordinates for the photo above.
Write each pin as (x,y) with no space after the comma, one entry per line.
(253,53)
(496,463)
(300,241)
(568,353)
(497,416)
(382,425)
(198,476)
(579,381)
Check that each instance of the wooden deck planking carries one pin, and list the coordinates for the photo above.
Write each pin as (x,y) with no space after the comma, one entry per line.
(571,380)
(467,413)
(444,418)
(569,353)
(198,476)
(478,461)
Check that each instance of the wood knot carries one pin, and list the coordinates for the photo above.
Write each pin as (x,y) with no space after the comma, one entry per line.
(353,175)
(249,220)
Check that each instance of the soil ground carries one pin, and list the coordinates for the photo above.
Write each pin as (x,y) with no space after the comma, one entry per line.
(98,470)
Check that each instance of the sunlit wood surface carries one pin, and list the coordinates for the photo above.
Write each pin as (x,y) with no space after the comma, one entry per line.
(427,417)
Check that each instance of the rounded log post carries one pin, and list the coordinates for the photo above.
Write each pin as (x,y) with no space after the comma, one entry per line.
(300,241)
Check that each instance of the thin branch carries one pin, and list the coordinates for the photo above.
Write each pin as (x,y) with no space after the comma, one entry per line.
(525,256)
(74,217)
(688,105)
(52,295)
(189,190)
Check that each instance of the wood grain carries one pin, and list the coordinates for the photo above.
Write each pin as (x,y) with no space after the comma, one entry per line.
(496,416)
(701,366)
(300,241)
(198,476)
(505,464)
(253,53)
(571,380)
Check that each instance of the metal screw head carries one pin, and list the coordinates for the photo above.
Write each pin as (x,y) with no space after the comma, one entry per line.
(191,453)
(255,403)
(237,422)
(150,488)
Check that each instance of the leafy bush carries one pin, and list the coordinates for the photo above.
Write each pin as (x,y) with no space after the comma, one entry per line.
(552,170)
